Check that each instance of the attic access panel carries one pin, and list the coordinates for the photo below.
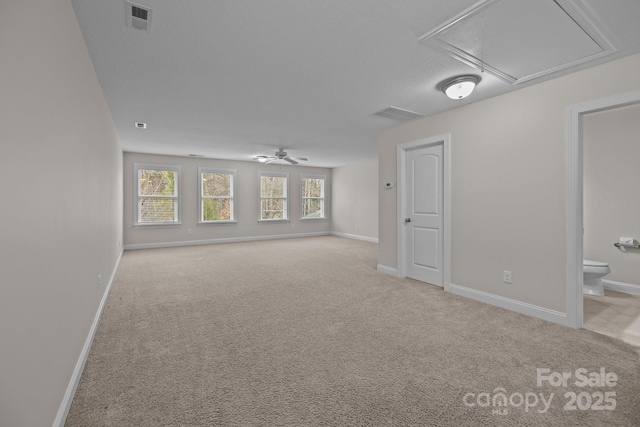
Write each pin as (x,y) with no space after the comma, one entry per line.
(521,40)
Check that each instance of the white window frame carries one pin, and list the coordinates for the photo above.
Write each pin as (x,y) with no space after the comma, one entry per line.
(137,196)
(286,197)
(233,197)
(302,198)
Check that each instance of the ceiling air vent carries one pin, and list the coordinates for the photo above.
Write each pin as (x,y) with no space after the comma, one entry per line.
(138,16)
(399,114)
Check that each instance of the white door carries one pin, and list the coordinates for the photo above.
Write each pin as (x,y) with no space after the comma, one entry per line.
(424,215)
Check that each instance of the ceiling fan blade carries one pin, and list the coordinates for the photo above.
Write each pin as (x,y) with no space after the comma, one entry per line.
(300,158)
(290,160)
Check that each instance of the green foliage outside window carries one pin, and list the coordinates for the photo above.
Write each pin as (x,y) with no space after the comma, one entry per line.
(154,184)
(217,196)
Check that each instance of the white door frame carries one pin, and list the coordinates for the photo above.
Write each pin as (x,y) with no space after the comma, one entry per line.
(401,233)
(575,181)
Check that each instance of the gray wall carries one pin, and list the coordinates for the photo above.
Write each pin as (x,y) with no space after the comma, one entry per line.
(508,183)
(61,213)
(355,200)
(247,204)
(611,142)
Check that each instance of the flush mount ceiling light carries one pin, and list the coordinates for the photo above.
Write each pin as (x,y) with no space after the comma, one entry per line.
(460,87)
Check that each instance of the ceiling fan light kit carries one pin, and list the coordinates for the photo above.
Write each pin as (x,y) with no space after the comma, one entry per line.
(461,86)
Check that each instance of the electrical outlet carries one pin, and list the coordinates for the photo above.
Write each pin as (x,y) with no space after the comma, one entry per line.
(189,230)
(506,276)
(99,279)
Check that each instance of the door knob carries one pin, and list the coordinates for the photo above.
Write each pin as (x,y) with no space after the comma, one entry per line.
(407,220)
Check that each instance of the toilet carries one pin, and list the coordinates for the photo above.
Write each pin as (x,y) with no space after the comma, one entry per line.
(593,272)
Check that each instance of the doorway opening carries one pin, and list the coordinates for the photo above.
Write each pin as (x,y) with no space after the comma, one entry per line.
(575,188)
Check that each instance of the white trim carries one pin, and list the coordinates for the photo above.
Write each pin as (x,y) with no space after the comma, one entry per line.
(631,335)
(215,223)
(574,293)
(221,240)
(575,221)
(355,236)
(158,225)
(388,270)
(627,288)
(445,140)
(509,304)
(67,399)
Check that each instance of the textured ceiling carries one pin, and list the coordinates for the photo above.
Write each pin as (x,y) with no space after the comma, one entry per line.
(232,79)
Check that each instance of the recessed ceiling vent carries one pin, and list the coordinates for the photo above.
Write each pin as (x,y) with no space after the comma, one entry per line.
(138,16)
(399,114)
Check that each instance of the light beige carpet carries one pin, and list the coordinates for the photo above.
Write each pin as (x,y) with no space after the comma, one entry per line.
(305,332)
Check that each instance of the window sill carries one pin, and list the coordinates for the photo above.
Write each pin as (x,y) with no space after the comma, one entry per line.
(273,221)
(158,225)
(208,223)
(314,219)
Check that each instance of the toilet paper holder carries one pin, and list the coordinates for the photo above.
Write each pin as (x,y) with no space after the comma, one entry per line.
(634,246)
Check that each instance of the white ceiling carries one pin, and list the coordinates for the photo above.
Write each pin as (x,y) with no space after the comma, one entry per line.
(232,79)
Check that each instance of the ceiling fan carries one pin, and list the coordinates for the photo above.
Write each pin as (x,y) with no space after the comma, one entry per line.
(280,155)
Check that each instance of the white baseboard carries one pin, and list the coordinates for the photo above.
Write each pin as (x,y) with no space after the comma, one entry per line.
(67,399)
(388,270)
(355,236)
(222,240)
(627,288)
(509,304)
